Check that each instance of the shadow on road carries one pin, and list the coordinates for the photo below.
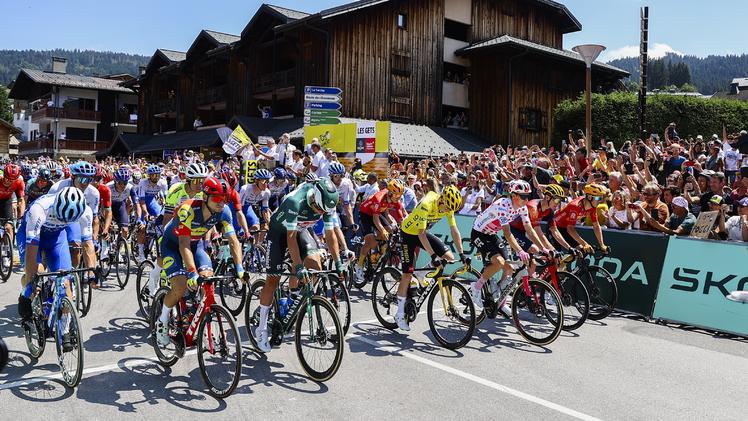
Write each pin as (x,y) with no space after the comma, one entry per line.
(121,332)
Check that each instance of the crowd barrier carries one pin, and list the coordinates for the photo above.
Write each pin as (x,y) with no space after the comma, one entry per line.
(678,279)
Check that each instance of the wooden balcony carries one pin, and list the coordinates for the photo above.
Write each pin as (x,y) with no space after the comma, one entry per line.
(277,80)
(214,95)
(48,145)
(63,113)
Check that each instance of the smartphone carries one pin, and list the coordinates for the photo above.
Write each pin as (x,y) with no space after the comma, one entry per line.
(632,206)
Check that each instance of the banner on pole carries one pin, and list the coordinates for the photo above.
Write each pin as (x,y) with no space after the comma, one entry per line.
(237,140)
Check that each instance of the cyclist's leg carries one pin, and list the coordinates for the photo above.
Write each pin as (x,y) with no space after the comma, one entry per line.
(203,263)
(411,244)
(178,276)
(73,232)
(367,230)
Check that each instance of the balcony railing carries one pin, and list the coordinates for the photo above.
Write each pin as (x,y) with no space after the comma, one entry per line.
(69,113)
(78,145)
(282,79)
(211,95)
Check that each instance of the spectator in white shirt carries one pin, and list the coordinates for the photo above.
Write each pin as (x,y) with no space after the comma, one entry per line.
(297,166)
(472,197)
(316,155)
(285,149)
(324,164)
(370,187)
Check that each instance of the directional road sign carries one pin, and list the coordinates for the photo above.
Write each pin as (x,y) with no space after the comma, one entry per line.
(321,120)
(322,113)
(322,90)
(321,98)
(322,105)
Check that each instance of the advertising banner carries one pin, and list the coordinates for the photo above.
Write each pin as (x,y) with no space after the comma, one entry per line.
(237,140)
(250,166)
(696,277)
(372,148)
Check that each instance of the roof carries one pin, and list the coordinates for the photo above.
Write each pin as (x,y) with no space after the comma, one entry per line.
(289,14)
(273,127)
(13,129)
(742,95)
(127,143)
(413,140)
(742,82)
(283,14)
(221,37)
(215,38)
(171,55)
(65,79)
(507,40)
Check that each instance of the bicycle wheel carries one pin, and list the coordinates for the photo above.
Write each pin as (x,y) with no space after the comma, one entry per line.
(70,359)
(319,339)
(233,293)
(252,311)
(143,289)
(451,315)
(104,262)
(35,329)
(575,300)
(167,355)
(3,354)
(219,344)
(121,264)
(6,257)
(84,298)
(336,293)
(384,296)
(603,291)
(533,313)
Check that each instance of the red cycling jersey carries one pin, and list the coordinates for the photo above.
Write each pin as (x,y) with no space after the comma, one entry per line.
(378,204)
(17,186)
(105,195)
(572,212)
(536,216)
(234,200)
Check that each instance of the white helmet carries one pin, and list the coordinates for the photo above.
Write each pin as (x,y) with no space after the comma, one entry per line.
(520,187)
(69,204)
(197,170)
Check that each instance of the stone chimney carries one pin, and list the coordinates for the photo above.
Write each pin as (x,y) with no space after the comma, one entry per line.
(59,65)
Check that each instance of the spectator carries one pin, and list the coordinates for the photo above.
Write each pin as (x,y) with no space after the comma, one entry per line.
(472,196)
(714,160)
(679,223)
(735,228)
(716,188)
(316,155)
(619,215)
(652,209)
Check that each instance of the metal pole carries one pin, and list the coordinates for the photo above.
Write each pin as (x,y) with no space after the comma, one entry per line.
(588,116)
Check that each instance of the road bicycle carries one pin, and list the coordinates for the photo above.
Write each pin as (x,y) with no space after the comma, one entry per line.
(114,255)
(385,254)
(153,232)
(53,315)
(318,334)
(601,285)
(231,290)
(6,250)
(81,287)
(201,321)
(144,290)
(451,317)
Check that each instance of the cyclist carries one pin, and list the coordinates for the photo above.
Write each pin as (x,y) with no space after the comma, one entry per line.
(239,221)
(184,261)
(150,192)
(39,186)
(278,188)
(414,236)
(82,174)
(374,216)
(583,206)
(105,196)
(11,184)
(301,209)
(195,174)
(543,209)
(123,197)
(346,193)
(255,199)
(46,221)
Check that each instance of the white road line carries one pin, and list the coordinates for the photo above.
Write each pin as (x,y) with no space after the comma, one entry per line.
(493,385)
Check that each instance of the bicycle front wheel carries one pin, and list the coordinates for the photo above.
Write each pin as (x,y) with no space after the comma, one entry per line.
(451,314)
(121,264)
(319,339)
(603,292)
(6,257)
(84,296)
(219,352)
(337,294)
(384,296)
(35,330)
(574,298)
(69,342)
(252,312)
(539,316)
(233,293)
(167,355)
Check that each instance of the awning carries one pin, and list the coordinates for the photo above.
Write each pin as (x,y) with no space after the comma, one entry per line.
(425,141)
(273,127)
(128,143)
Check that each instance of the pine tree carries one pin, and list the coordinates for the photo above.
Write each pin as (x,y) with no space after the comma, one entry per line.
(6,111)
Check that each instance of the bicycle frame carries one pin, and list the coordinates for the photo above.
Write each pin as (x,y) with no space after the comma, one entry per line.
(207,298)
(307,291)
(438,276)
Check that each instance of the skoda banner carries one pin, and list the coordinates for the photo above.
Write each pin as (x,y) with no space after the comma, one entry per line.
(696,277)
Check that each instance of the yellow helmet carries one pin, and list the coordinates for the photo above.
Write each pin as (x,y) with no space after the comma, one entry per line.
(595,189)
(554,190)
(396,187)
(452,199)
(359,175)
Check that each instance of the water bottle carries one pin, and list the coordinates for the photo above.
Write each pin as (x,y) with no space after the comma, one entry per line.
(284,306)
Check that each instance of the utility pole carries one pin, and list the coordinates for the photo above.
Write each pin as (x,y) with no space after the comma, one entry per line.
(643,60)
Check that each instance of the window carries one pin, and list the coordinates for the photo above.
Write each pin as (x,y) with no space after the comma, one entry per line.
(402,21)
(400,63)
(76,133)
(532,119)
(456,30)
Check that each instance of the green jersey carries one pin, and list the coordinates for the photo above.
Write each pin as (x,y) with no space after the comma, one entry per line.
(294,212)
(176,195)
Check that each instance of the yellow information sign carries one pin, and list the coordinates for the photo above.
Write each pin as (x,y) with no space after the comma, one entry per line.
(250,166)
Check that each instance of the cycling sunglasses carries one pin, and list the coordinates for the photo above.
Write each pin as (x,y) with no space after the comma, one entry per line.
(84,180)
(524,196)
(217,198)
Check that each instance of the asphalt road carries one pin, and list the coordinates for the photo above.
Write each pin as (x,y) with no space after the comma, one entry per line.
(617,369)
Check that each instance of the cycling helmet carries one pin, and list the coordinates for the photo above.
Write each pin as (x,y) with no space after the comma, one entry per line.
(99,171)
(310,176)
(324,195)
(26,170)
(360,175)
(197,170)
(290,176)
(69,204)
(44,173)
(83,169)
(263,174)
(230,178)
(122,174)
(520,187)
(554,190)
(595,189)
(336,168)
(279,172)
(452,199)
(153,169)
(136,176)
(396,187)
(12,171)
(215,187)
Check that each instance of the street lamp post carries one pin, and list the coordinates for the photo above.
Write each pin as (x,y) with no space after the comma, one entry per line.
(589,53)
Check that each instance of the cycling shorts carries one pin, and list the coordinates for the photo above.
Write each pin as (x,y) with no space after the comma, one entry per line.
(173,265)
(367,223)
(120,214)
(489,245)
(279,245)
(153,206)
(53,245)
(6,208)
(412,246)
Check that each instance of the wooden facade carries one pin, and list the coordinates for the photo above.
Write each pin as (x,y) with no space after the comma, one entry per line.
(521,19)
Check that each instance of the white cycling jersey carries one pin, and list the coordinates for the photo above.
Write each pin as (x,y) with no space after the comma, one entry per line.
(147,190)
(119,197)
(278,189)
(91,193)
(500,213)
(250,195)
(41,219)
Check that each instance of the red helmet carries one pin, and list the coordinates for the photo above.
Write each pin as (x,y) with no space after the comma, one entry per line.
(66,172)
(215,187)
(12,171)
(230,178)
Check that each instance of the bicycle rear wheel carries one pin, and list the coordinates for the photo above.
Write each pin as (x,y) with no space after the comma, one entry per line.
(574,298)
(603,292)
(104,262)
(319,339)
(533,313)
(6,257)
(3,354)
(167,355)
(252,311)
(451,314)
(70,359)
(35,329)
(336,293)
(384,296)
(121,264)
(143,289)
(233,293)
(219,343)
(85,293)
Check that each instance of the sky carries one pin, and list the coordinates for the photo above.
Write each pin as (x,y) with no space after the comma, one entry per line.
(692,27)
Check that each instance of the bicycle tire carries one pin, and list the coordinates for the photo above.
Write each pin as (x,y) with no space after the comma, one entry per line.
(337,294)
(7,248)
(142,289)
(164,359)
(122,258)
(574,298)
(3,355)
(233,293)
(360,283)
(337,338)
(452,312)
(252,311)
(603,291)
(220,312)
(74,328)
(384,297)
(539,311)
(105,270)
(84,300)
(35,330)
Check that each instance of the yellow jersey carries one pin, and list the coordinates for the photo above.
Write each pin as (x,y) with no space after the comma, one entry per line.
(425,214)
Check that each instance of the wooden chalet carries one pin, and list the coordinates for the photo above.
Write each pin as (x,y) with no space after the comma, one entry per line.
(494,68)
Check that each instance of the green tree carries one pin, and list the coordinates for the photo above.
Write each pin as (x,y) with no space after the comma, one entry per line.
(6,110)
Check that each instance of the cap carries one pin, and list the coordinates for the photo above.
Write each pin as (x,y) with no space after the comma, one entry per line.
(699,137)
(680,202)
(716,199)
(714,136)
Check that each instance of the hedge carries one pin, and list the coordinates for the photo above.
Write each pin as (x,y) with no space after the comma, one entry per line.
(614,116)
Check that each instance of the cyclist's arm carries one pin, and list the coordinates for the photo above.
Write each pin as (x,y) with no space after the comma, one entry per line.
(572,231)
(544,243)
(425,242)
(293,248)
(378,224)
(510,238)
(598,230)
(242,221)
(457,238)
(89,254)
(107,219)
(86,225)
(559,238)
